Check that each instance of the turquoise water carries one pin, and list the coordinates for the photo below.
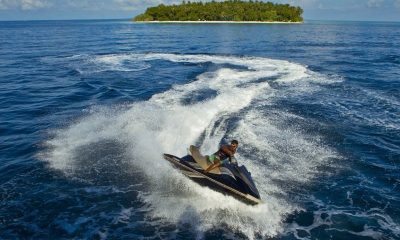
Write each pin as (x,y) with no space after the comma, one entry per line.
(88,108)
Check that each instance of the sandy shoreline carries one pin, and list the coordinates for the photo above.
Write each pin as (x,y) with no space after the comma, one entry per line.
(216,22)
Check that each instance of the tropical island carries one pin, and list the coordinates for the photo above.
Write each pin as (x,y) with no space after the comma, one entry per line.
(226,11)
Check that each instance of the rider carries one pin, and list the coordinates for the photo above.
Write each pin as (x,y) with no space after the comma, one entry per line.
(222,155)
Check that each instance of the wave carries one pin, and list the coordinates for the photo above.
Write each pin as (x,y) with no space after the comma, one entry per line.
(376,223)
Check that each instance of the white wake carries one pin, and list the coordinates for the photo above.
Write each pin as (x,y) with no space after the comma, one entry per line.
(166,124)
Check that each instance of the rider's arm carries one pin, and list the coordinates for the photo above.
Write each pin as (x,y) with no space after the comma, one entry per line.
(228,150)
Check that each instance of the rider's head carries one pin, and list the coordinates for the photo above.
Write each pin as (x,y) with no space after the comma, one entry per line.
(234,143)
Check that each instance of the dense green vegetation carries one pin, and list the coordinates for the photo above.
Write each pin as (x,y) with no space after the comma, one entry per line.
(231,10)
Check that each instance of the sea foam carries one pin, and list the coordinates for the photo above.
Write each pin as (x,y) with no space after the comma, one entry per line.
(166,124)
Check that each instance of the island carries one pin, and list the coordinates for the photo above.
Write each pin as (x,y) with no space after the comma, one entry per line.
(226,11)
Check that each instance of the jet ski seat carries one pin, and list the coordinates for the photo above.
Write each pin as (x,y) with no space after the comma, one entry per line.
(202,160)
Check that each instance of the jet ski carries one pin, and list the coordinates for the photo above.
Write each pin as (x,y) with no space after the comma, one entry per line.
(228,178)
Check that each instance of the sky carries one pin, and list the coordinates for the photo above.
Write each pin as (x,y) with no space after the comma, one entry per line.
(353,10)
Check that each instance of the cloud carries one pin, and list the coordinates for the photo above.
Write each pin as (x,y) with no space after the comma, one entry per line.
(304,2)
(24,4)
(34,4)
(114,5)
(374,3)
(91,5)
(130,5)
(397,3)
(88,5)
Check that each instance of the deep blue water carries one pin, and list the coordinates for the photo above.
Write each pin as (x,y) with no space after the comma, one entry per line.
(88,107)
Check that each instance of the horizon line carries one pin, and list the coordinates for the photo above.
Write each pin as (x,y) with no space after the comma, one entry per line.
(129,19)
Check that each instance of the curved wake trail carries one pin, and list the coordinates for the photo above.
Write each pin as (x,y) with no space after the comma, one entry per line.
(238,90)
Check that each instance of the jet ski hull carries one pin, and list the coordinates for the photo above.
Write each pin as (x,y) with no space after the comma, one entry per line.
(227,184)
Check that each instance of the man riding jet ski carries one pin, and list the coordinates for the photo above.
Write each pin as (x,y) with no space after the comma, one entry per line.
(222,155)
(218,171)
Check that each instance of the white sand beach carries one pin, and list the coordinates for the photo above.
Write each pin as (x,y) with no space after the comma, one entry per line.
(218,22)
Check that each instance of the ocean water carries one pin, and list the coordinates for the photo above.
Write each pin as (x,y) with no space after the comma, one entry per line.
(88,108)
